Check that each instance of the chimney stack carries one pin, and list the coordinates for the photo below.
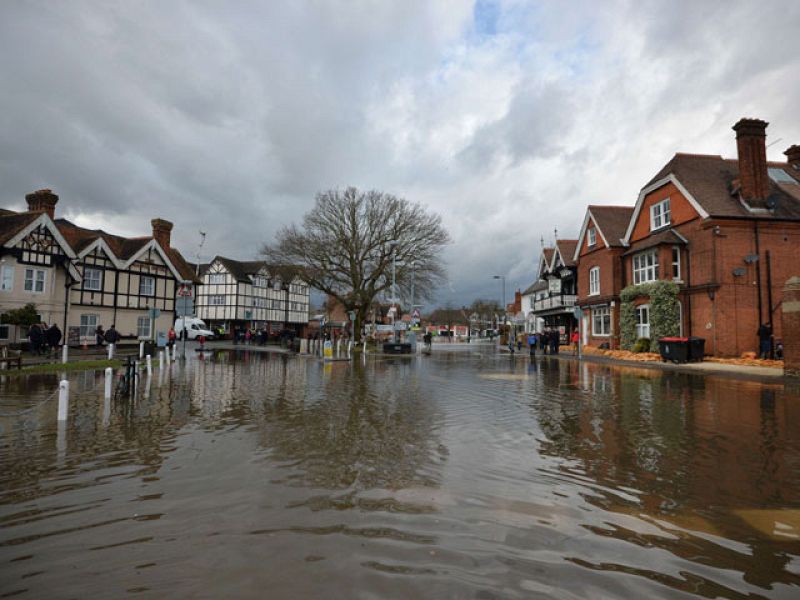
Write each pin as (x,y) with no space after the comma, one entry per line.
(161,232)
(42,200)
(751,135)
(793,156)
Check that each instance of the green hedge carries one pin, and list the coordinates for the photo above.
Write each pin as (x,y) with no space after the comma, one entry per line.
(664,312)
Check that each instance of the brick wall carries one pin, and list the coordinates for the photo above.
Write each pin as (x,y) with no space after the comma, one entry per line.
(790,317)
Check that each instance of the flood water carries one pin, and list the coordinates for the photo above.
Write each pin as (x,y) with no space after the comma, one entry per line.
(460,475)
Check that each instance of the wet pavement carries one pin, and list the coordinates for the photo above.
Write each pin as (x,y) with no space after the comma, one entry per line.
(455,475)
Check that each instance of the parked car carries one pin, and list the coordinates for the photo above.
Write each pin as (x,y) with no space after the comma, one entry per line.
(195,327)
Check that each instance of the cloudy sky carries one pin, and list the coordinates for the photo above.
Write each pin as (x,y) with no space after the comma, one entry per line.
(505,117)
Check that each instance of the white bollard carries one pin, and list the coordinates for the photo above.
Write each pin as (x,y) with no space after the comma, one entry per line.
(364,348)
(141,350)
(135,376)
(349,348)
(110,351)
(63,399)
(175,351)
(149,364)
(160,359)
(108,383)
(64,353)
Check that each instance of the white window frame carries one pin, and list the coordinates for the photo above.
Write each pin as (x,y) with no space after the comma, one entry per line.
(38,276)
(642,329)
(147,279)
(676,263)
(645,266)
(6,278)
(88,325)
(143,323)
(660,215)
(594,281)
(260,281)
(216,278)
(87,278)
(592,233)
(601,315)
(216,300)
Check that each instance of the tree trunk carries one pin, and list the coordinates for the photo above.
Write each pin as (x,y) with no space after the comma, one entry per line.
(358,324)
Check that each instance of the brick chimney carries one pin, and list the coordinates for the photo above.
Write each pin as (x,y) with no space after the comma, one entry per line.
(793,156)
(42,200)
(751,135)
(161,232)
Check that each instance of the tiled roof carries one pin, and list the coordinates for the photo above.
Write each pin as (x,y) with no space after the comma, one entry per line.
(668,236)
(12,223)
(710,180)
(241,270)
(612,221)
(535,287)
(567,250)
(548,255)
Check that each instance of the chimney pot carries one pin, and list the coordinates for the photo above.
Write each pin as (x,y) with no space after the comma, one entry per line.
(793,156)
(161,232)
(751,135)
(42,200)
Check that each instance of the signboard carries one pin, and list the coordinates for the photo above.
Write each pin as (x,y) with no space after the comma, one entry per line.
(327,349)
(554,285)
(415,314)
(388,328)
(184,306)
(400,326)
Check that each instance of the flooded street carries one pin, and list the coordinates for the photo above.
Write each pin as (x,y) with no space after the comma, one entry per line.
(460,475)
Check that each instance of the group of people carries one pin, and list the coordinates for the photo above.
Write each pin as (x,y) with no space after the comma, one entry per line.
(110,336)
(43,339)
(547,340)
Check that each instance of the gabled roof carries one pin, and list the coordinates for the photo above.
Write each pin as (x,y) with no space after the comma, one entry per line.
(610,222)
(711,179)
(536,286)
(239,269)
(12,223)
(566,249)
(667,236)
(546,258)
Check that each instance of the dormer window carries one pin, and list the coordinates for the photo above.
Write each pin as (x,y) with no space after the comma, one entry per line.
(592,236)
(660,215)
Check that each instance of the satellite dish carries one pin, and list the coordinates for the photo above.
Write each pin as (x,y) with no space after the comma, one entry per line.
(772,201)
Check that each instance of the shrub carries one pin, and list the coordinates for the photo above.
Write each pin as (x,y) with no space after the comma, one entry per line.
(641,345)
(664,313)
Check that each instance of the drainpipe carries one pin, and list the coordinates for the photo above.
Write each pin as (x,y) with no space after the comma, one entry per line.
(758,271)
(688,310)
(769,305)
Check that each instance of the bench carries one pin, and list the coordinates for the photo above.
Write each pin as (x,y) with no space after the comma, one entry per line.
(8,358)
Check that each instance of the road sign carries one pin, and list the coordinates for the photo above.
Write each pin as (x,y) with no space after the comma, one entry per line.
(400,326)
(384,328)
(185,290)
(415,314)
(155,313)
(184,306)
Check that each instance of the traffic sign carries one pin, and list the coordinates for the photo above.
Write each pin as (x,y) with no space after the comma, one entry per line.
(185,290)
(184,307)
(155,313)
(415,314)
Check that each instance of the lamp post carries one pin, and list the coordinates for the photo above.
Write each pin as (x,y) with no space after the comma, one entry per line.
(503,306)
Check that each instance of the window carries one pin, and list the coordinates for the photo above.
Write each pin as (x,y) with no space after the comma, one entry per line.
(660,215)
(147,286)
(643,321)
(34,280)
(88,325)
(92,279)
(276,304)
(6,279)
(216,278)
(143,327)
(592,236)
(260,281)
(216,300)
(594,281)
(645,267)
(601,321)
(259,302)
(676,263)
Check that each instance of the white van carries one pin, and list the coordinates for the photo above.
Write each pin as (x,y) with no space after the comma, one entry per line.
(194,328)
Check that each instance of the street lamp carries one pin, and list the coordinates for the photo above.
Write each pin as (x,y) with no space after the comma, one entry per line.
(503,307)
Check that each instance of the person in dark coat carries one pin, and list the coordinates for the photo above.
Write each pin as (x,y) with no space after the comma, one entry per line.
(112,335)
(99,335)
(554,341)
(53,336)
(36,336)
(544,340)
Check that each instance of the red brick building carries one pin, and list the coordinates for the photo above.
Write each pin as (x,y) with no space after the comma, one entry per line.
(599,257)
(727,231)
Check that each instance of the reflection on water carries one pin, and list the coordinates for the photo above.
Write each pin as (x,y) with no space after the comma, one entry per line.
(475,474)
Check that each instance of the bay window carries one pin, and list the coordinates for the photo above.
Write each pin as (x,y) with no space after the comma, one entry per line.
(645,267)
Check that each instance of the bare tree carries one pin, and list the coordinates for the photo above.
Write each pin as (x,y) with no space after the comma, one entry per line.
(346,244)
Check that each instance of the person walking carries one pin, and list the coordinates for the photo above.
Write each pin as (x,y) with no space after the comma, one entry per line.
(532,344)
(53,336)
(99,334)
(171,337)
(575,340)
(555,340)
(764,337)
(112,335)
(36,337)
